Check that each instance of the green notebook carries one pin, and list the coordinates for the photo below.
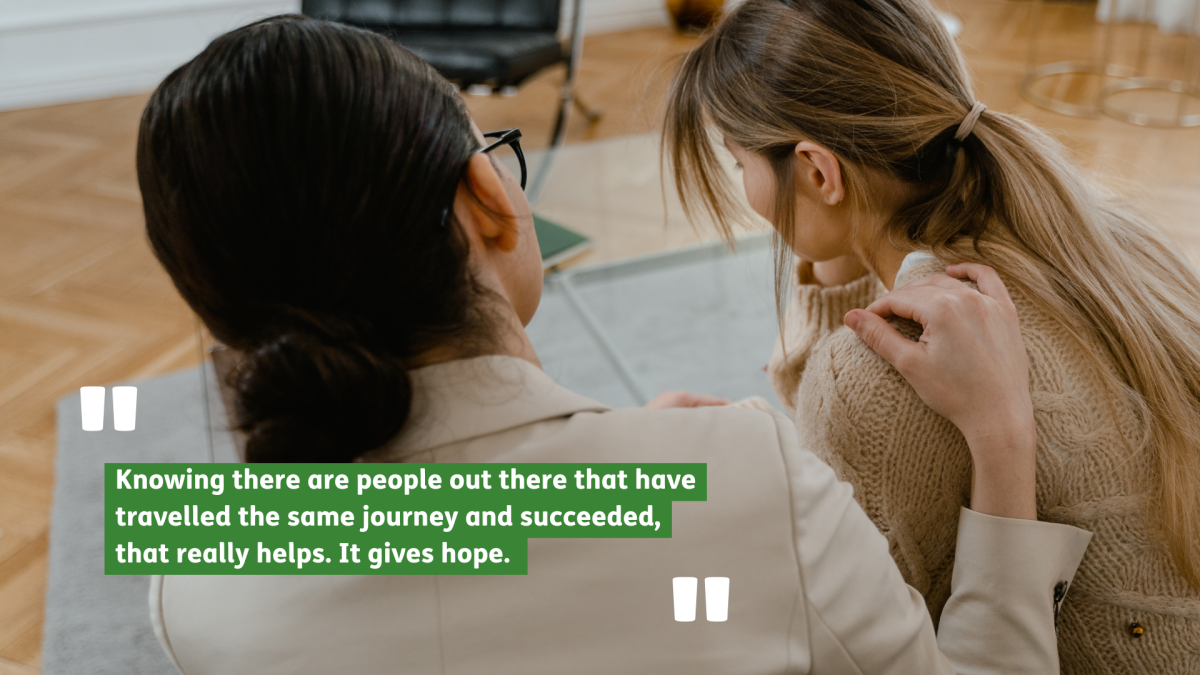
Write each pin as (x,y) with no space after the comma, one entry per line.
(557,243)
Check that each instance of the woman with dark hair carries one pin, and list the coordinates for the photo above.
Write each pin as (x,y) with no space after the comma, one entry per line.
(323,201)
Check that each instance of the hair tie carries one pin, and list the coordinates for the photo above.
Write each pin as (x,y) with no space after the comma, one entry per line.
(968,123)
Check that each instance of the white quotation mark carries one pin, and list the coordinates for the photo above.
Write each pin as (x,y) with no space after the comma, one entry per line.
(716,598)
(91,407)
(91,404)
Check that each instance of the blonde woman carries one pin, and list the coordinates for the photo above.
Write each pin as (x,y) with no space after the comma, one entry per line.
(859,138)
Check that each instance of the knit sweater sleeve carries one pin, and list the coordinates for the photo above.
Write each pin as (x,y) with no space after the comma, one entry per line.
(909,467)
(813,313)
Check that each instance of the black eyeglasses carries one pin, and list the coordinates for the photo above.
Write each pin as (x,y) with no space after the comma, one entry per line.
(511,137)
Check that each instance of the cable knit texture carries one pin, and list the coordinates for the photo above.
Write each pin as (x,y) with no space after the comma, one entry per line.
(813,313)
(911,471)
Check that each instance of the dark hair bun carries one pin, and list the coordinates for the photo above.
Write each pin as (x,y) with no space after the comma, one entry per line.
(307,398)
(295,178)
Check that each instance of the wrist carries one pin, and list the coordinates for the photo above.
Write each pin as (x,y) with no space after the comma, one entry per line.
(1004,494)
(1006,438)
(1004,469)
(1003,440)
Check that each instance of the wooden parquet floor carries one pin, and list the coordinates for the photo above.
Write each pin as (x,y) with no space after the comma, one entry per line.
(83,302)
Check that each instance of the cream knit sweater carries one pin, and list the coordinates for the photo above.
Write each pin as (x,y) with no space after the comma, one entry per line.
(910,469)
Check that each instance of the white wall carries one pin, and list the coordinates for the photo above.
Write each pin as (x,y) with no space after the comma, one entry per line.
(56,51)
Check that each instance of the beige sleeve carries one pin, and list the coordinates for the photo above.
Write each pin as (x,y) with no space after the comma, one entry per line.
(1000,616)
(813,312)
(862,618)
(910,468)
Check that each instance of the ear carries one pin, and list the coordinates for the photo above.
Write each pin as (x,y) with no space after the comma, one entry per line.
(483,205)
(818,168)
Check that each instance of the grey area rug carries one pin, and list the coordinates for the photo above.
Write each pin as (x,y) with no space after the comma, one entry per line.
(97,624)
(701,319)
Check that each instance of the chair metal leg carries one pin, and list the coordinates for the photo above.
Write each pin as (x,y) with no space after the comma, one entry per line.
(558,138)
(566,102)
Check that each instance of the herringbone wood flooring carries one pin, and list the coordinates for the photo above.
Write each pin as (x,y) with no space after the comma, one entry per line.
(83,302)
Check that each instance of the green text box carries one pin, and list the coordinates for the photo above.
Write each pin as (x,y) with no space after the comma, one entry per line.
(376,518)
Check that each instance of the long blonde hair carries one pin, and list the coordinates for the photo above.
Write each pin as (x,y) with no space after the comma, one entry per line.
(880,84)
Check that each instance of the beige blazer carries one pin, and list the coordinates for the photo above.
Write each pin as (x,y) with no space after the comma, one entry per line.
(812,587)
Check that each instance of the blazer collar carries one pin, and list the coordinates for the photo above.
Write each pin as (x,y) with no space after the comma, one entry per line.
(464,399)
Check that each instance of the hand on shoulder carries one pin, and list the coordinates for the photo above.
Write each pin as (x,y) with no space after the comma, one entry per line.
(969,366)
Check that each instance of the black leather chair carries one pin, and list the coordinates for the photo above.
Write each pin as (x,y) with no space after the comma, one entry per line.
(478,43)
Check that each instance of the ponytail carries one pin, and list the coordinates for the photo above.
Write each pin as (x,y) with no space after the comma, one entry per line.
(1112,281)
(954,183)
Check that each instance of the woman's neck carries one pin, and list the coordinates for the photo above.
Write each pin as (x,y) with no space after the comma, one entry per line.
(877,252)
(516,342)
(885,261)
(510,340)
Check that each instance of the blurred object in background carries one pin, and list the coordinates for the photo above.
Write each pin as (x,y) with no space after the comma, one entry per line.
(952,24)
(1070,83)
(1133,73)
(488,42)
(558,244)
(1171,16)
(693,16)
(486,45)
(1157,97)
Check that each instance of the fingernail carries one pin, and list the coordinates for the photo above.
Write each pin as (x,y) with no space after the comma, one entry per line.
(851,320)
